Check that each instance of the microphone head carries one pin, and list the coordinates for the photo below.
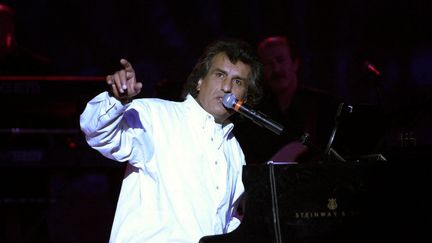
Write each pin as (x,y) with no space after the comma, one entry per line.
(229,100)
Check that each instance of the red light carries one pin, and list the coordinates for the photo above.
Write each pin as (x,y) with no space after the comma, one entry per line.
(372,68)
(71,143)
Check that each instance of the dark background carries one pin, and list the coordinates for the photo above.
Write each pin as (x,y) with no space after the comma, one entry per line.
(75,190)
(164,38)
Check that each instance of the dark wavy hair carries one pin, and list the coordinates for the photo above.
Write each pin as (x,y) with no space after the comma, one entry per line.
(236,50)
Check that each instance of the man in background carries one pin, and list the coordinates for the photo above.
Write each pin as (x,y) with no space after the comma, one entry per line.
(306,113)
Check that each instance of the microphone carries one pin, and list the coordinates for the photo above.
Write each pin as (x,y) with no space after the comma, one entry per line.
(231,102)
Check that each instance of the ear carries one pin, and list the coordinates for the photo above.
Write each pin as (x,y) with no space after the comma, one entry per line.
(198,87)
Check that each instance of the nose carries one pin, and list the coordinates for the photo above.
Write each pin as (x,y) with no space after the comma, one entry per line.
(226,85)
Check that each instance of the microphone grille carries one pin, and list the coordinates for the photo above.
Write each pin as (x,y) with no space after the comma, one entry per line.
(229,100)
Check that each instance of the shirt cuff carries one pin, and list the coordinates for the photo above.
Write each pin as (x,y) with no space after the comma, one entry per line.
(233,224)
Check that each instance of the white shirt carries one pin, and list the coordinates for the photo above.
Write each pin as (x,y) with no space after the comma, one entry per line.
(184,174)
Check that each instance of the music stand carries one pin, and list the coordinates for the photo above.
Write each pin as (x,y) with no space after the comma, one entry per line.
(357,134)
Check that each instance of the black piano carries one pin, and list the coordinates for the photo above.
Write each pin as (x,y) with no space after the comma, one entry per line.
(361,201)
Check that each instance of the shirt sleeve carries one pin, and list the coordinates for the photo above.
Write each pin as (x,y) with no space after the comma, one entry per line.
(115,130)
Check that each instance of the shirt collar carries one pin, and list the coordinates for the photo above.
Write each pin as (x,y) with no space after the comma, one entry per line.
(204,118)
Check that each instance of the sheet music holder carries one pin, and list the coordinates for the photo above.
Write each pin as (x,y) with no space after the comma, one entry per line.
(357,134)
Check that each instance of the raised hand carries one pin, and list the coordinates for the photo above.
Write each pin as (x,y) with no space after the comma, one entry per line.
(123,83)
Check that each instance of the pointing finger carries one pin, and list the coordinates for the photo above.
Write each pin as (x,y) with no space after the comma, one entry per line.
(127,65)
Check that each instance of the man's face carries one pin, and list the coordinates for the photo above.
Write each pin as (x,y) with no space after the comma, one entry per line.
(223,77)
(280,70)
